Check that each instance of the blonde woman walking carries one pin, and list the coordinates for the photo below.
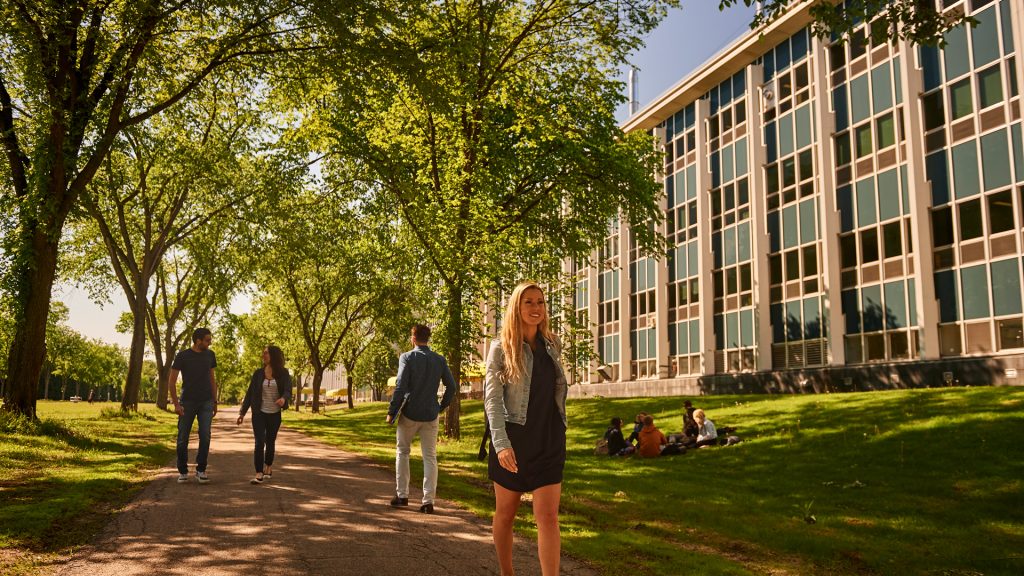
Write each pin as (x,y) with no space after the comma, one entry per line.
(524,399)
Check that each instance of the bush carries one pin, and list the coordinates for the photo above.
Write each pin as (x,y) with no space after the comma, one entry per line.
(15,423)
(111,412)
(18,424)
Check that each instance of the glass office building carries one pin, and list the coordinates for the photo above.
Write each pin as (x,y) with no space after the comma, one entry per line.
(839,216)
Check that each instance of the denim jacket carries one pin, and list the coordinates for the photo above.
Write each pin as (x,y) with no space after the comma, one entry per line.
(420,372)
(505,402)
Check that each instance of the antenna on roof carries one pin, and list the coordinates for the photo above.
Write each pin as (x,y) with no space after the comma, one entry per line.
(634,90)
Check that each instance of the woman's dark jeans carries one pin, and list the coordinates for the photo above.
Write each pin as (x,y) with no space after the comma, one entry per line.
(264,431)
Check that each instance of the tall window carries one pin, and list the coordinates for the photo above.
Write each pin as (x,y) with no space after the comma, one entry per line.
(731,236)
(643,312)
(973,142)
(608,343)
(683,265)
(793,202)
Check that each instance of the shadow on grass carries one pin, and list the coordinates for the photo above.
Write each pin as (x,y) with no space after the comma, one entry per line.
(920,482)
(60,481)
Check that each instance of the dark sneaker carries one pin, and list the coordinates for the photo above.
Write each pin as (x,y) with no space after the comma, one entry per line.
(182,478)
(202,477)
(396,501)
(427,508)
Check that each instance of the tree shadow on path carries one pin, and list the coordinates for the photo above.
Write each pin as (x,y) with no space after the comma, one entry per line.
(323,512)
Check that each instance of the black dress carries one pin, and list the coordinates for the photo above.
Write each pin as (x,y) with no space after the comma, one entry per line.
(540,444)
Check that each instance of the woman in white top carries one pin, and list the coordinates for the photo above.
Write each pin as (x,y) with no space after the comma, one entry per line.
(270,388)
(706,433)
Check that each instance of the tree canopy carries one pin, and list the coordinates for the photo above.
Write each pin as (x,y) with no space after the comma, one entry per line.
(917,21)
(73,76)
(488,131)
(352,166)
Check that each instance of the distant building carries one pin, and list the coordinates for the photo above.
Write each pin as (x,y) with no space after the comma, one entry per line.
(840,216)
(334,384)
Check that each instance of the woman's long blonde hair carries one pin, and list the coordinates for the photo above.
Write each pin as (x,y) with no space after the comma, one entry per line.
(512,332)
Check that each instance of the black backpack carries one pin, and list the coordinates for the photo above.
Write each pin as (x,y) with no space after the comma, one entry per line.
(482,454)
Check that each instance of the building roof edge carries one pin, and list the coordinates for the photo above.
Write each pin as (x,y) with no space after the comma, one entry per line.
(726,62)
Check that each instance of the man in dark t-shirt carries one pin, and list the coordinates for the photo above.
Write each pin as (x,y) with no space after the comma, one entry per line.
(198,400)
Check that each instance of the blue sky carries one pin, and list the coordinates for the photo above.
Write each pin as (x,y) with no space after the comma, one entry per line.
(687,38)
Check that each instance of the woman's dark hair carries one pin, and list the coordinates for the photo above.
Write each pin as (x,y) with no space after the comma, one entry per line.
(276,360)
(617,422)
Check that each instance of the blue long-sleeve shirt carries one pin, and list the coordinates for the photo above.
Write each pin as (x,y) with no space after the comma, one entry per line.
(420,373)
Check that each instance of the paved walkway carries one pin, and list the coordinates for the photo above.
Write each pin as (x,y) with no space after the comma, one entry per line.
(324,512)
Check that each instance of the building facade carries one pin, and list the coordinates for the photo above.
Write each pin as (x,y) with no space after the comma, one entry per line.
(840,217)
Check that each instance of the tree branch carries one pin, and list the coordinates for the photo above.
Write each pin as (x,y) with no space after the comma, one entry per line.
(515,220)
(40,36)
(118,259)
(8,135)
(222,56)
(403,205)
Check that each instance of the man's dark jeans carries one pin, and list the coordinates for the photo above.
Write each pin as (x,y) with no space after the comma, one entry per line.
(264,430)
(204,411)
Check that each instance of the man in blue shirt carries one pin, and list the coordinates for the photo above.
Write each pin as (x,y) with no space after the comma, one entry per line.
(415,407)
(198,400)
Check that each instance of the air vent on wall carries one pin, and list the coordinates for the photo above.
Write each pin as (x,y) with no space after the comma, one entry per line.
(768,96)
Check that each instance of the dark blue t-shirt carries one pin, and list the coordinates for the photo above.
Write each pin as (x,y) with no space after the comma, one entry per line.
(195,374)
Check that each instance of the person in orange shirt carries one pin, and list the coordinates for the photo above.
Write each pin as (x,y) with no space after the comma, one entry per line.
(651,439)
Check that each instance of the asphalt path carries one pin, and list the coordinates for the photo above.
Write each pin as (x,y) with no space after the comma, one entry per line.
(325,511)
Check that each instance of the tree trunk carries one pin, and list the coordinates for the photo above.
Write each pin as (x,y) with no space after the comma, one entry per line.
(34,272)
(161,343)
(137,353)
(164,371)
(349,379)
(46,387)
(318,378)
(452,428)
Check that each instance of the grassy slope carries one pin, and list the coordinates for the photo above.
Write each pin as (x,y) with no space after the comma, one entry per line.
(906,482)
(56,488)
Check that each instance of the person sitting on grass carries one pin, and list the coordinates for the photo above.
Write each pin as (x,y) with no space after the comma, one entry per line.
(651,439)
(638,425)
(706,433)
(617,445)
(690,427)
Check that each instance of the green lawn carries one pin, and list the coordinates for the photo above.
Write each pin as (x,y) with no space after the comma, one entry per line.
(905,482)
(60,479)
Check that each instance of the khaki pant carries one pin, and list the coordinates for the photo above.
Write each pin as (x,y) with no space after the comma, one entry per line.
(406,432)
